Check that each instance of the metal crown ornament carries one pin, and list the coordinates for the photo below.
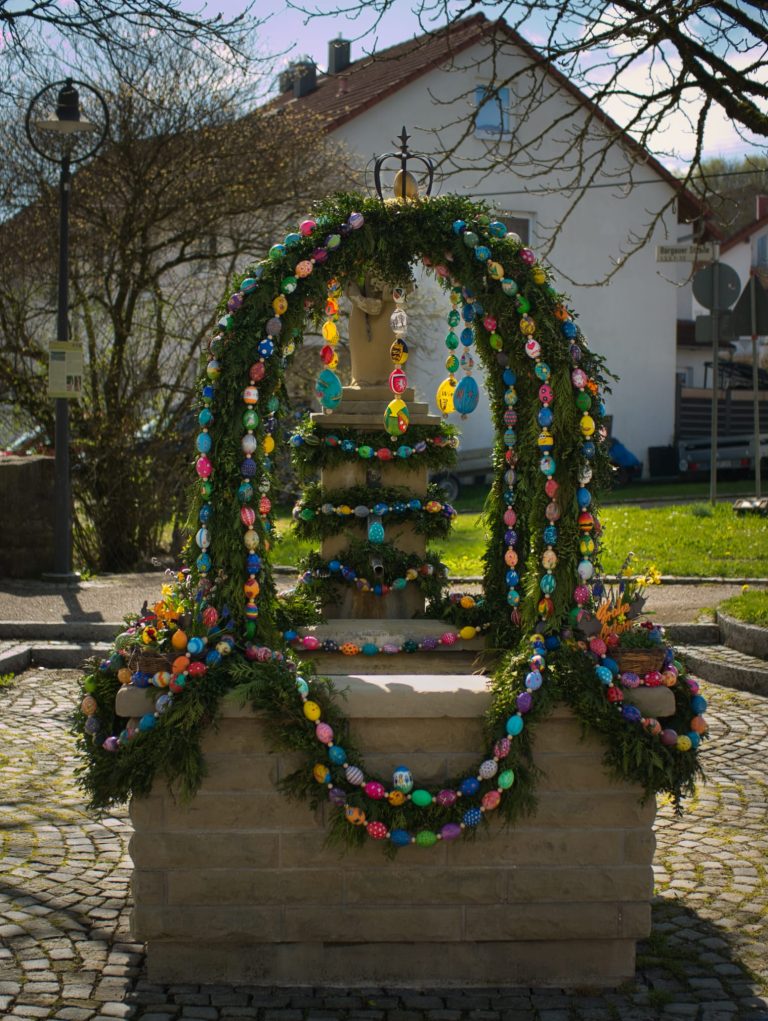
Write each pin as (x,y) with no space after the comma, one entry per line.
(406,187)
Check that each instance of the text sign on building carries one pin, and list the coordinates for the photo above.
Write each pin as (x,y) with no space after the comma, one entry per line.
(685,253)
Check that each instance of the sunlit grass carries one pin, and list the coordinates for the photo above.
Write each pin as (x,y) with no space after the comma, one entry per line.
(682,539)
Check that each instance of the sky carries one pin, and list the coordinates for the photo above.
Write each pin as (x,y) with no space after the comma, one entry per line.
(287,32)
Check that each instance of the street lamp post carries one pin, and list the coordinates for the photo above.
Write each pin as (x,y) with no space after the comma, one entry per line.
(64,138)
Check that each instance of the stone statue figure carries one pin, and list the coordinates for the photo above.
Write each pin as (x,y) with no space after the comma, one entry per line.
(370,334)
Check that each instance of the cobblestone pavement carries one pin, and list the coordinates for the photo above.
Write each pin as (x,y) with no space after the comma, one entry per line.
(66,952)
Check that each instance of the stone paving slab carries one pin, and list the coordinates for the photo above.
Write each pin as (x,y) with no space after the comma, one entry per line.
(66,953)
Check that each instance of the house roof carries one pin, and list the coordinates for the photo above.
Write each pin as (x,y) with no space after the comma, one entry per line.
(744,234)
(342,97)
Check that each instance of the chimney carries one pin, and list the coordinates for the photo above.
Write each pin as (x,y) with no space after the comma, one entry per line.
(761,206)
(338,55)
(285,80)
(304,79)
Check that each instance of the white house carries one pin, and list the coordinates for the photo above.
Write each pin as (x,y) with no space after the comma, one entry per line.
(430,84)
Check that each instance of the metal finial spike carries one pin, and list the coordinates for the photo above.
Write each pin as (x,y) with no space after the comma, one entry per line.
(404,136)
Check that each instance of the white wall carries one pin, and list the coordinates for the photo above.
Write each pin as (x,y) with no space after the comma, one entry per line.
(631,321)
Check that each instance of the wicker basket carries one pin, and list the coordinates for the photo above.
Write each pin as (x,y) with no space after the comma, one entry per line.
(639,661)
(148,662)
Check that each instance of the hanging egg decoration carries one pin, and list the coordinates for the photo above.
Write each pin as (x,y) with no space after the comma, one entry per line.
(444,395)
(396,417)
(328,389)
(398,381)
(466,396)
(399,351)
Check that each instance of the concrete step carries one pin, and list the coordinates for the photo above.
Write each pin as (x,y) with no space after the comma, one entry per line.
(52,655)
(692,634)
(59,631)
(729,667)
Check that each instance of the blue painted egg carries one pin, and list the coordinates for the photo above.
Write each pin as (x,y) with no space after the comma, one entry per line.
(545,417)
(548,583)
(376,532)
(472,817)
(509,377)
(509,286)
(266,347)
(603,674)
(205,513)
(195,646)
(542,371)
(466,395)
(337,755)
(550,535)
(328,389)
(402,779)
(147,722)
(698,705)
(514,725)
(203,563)
(588,449)
(497,229)
(583,497)
(469,786)
(400,838)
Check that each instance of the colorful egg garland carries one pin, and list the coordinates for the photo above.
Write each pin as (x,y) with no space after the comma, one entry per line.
(547,449)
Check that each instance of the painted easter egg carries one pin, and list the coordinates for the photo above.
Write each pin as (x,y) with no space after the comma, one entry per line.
(444,395)
(466,395)
(399,352)
(398,381)
(328,389)
(396,417)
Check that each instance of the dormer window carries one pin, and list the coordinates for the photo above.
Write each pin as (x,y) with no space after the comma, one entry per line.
(492,112)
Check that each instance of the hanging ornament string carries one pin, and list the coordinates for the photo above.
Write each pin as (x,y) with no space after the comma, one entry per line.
(328,385)
(397,416)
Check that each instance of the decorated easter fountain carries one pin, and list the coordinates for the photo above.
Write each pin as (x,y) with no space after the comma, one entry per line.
(463,714)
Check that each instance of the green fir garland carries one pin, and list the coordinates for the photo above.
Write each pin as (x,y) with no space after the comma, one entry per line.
(390,239)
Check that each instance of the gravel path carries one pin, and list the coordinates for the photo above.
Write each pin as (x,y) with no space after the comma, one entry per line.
(66,952)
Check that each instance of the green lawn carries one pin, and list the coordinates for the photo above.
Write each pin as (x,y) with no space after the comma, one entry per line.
(751,607)
(683,539)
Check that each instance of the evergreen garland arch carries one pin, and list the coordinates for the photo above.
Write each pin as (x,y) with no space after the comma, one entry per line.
(229,597)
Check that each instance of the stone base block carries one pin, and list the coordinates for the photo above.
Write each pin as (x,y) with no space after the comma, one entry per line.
(417,965)
(240,885)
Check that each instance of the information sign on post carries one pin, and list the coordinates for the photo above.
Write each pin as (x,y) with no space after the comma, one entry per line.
(65,370)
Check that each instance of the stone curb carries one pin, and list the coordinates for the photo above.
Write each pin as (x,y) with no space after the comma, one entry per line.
(692,634)
(59,630)
(720,664)
(52,656)
(748,638)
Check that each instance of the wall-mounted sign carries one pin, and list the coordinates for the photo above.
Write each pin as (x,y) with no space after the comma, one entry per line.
(65,370)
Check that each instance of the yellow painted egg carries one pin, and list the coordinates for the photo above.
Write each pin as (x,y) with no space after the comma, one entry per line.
(330,331)
(312,710)
(538,275)
(444,395)
(280,304)
(467,633)
(396,798)
(268,444)
(124,675)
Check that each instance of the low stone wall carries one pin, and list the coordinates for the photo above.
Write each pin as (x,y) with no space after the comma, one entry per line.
(26,516)
(239,886)
(747,638)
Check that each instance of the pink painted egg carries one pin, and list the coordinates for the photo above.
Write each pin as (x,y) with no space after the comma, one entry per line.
(247,516)
(375,790)
(446,798)
(491,800)
(448,638)
(310,642)
(502,747)
(324,733)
